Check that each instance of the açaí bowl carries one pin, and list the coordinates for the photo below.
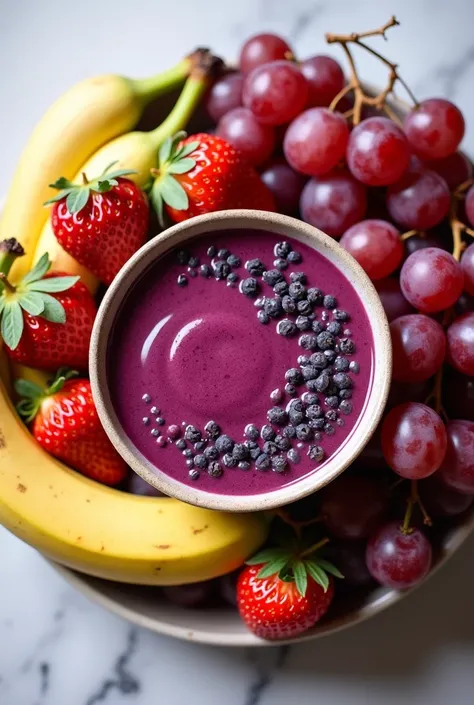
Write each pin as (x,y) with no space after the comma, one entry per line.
(200,353)
(222,626)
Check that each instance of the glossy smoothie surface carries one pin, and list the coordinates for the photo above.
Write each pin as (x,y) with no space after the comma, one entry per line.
(200,354)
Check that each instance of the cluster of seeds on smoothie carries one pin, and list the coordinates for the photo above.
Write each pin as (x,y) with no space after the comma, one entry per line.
(316,394)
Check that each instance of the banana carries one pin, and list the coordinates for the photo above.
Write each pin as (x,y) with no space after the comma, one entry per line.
(107,533)
(137,151)
(90,114)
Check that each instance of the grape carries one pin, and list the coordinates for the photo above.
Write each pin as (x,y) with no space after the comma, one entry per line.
(419,346)
(461,344)
(136,485)
(325,79)
(413,440)
(352,507)
(224,95)
(371,457)
(458,394)
(333,202)
(397,559)
(440,500)
(285,184)
(431,280)
(455,169)
(377,152)
(457,469)
(242,130)
(434,128)
(316,141)
(419,200)
(349,557)
(275,92)
(262,48)
(467,264)
(191,595)
(469,205)
(376,245)
(228,588)
(403,392)
(420,242)
(465,304)
(393,301)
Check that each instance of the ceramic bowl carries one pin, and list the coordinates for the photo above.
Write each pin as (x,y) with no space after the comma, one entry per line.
(186,232)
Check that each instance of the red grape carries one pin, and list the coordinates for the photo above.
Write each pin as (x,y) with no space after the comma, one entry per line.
(352,507)
(242,130)
(191,595)
(403,392)
(458,394)
(377,152)
(461,344)
(434,128)
(457,469)
(420,242)
(333,202)
(228,588)
(398,559)
(393,301)
(285,184)
(325,79)
(419,200)
(467,264)
(224,95)
(465,304)
(469,205)
(262,48)
(455,169)
(431,280)
(440,500)
(316,141)
(419,346)
(349,557)
(413,440)
(275,92)
(376,245)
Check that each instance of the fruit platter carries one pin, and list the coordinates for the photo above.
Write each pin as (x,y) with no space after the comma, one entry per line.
(241,360)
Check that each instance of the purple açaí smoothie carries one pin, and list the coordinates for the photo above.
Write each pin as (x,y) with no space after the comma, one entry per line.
(283,371)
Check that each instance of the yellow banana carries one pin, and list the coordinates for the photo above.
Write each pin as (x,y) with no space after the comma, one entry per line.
(108,533)
(137,151)
(87,116)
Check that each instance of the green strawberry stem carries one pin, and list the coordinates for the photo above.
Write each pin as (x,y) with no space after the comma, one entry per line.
(153,87)
(9,250)
(33,395)
(315,547)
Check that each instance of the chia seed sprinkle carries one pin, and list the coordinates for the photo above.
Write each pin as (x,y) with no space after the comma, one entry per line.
(146,420)
(280,264)
(293,456)
(194,474)
(146,398)
(276,396)
(252,432)
(214,469)
(154,432)
(154,410)
(182,280)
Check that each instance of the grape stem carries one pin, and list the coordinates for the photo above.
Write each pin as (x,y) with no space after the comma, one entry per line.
(457,226)
(410,233)
(414,500)
(297,526)
(361,98)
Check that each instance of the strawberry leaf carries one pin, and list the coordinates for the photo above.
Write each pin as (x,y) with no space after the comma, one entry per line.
(273,566)
(32,302)
(329,568)
(301,578)
(181,166)
(120,172)
(55,284)
(59,196)
(165,151)
(53,310)
(317,573)
(62,183)
(12,324)
(106,185)
(268,554)
(25,388)
(157,202)
(173,193)
(39,270)
(187,149)
(2,304)
(77,199)
(109,167)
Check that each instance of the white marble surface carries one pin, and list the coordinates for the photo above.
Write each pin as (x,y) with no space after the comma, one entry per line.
(55,647)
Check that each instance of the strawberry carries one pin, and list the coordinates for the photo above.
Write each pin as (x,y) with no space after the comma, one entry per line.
(46,321)
(101,223)
(281,594)
(65,423)
(202,174)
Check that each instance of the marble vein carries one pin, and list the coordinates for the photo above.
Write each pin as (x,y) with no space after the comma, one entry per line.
(123,680)
(451,74)
(265,675)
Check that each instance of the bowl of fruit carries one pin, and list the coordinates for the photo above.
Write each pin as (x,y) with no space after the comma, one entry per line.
(387,181)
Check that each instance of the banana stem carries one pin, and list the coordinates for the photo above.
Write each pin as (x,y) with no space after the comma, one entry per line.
(153,87)
(179,117)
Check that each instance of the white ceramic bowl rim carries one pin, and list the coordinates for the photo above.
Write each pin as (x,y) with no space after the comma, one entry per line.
(284,226)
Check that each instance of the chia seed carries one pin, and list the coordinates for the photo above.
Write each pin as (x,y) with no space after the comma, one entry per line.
(212,429)
(345,394)
(249,287)
(341,364)
(223,253)
(214,469)
(276,396)
(146,398)
(316,424)
(146,420)
(340,315)
(277,416)
(262,462)
(314,296)
(330,356)
(280,264)
(260,302)
(330,415)
(244,465)
(154,432)
(294,376)
(212,251)
(340,422)
(182,256)
(279,463)
(354,367)
(309,398)
(282,249)
(160,421)
(272,277)
(188,453)
(190,462)
(161,441)
(181,444)
(194,474)
(255,267)
(205,270)
(333,327)
(304,432)
(329,302)
(221,269)
(293,456)
(303,360)
(329,430)
(346,346)
(294,257)
(233,261)
(200,445)
(308,341)
(286,328)
(267,433)
(251,431)
(332,402)
(345,407)
(193,262)
(288,304)
(224,444)
(263,318)
(192,434)
(154,410)
(232,279)
(229,461)
(290,389)
(200,461)
(316,453)
(347,331)
(182,280)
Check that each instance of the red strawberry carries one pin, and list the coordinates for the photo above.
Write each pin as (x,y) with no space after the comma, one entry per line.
(46,320)
(101,223)
(281,595)
(66,424)
(203,174)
